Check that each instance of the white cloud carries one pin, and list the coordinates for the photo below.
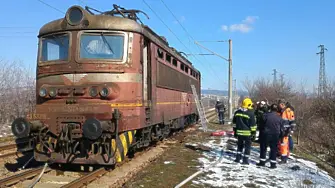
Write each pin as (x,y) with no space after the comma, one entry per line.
(181,20)
(250,19)
(244,27)
(224,28)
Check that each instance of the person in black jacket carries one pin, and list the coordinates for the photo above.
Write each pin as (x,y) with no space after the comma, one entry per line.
(220,108)
(245,124)
(273,127)
(262,108)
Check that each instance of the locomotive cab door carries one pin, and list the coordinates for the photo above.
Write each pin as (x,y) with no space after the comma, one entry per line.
(147,82)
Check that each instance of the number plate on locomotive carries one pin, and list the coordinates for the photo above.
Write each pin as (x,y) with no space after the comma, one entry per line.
(37,116)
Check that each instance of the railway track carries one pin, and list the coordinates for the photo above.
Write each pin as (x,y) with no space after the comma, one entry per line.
(78,182)
(11,153)
(86,179)
(22,176)
(7,147)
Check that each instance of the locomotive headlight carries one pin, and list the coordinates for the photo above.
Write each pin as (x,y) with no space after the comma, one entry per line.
(43,92)
(93,92)
(74,15)
(52,92)
(104,92)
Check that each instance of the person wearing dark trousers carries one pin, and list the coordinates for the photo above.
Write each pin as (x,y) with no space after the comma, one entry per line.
(244,120)
(262,108)
(220,108)
(273,127)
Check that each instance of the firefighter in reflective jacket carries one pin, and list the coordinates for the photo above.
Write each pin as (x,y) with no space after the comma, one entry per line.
(289,123)
(245,126)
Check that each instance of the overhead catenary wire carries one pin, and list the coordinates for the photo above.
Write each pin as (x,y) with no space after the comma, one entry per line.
(51,6)
(166,25)
(15,27)
(168,28)
(190,37)
(13,36)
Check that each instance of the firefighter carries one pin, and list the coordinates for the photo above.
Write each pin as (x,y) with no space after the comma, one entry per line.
(245,124)
(289,122)
(220,108)
(273,126)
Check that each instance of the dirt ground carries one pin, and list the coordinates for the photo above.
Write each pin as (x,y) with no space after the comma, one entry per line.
(176,164)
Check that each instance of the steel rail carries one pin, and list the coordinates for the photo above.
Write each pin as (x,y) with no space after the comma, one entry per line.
(86,179)
(21,176)
(7,147)
(10,146)
(14,153)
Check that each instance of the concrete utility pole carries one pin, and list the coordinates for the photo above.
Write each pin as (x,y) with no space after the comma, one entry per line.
(230,72)
(230,76)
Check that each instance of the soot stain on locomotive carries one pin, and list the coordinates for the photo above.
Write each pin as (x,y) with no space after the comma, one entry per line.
(97,95)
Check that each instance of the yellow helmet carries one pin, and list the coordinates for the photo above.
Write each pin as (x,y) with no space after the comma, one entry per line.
(247,103)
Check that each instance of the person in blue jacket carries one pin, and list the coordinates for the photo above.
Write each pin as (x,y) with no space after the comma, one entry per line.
(273,129)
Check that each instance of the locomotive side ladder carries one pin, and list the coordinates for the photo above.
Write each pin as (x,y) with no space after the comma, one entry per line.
(200,109)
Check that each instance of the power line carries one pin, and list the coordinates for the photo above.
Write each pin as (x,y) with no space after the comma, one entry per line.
(19,32)
(15,27)
(175,34)
(82,2)
(12,36)
(188,34)
(166,25)
(51,6)
(177,20)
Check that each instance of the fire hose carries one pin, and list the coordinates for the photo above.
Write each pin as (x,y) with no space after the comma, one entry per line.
(199,172)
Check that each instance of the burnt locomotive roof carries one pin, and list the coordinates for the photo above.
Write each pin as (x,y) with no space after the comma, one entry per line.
(108,22)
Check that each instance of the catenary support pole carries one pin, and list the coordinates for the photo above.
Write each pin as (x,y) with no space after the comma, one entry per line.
(230,78)
(230,74)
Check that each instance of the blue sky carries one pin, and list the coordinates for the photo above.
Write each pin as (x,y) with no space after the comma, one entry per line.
(266,34)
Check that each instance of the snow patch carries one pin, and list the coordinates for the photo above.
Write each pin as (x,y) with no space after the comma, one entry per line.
(169,162)
(228,173)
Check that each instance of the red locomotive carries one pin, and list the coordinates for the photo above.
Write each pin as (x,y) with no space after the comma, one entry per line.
(106,84)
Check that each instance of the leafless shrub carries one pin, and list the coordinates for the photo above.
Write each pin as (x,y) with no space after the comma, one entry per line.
(315,115)
(17,91)
(319,128)
(263,89)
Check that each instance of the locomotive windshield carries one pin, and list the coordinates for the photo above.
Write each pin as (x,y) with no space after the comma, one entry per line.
(55,48)
(101,46)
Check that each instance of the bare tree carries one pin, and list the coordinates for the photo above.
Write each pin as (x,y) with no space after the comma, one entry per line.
(263,89)
(17,90)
